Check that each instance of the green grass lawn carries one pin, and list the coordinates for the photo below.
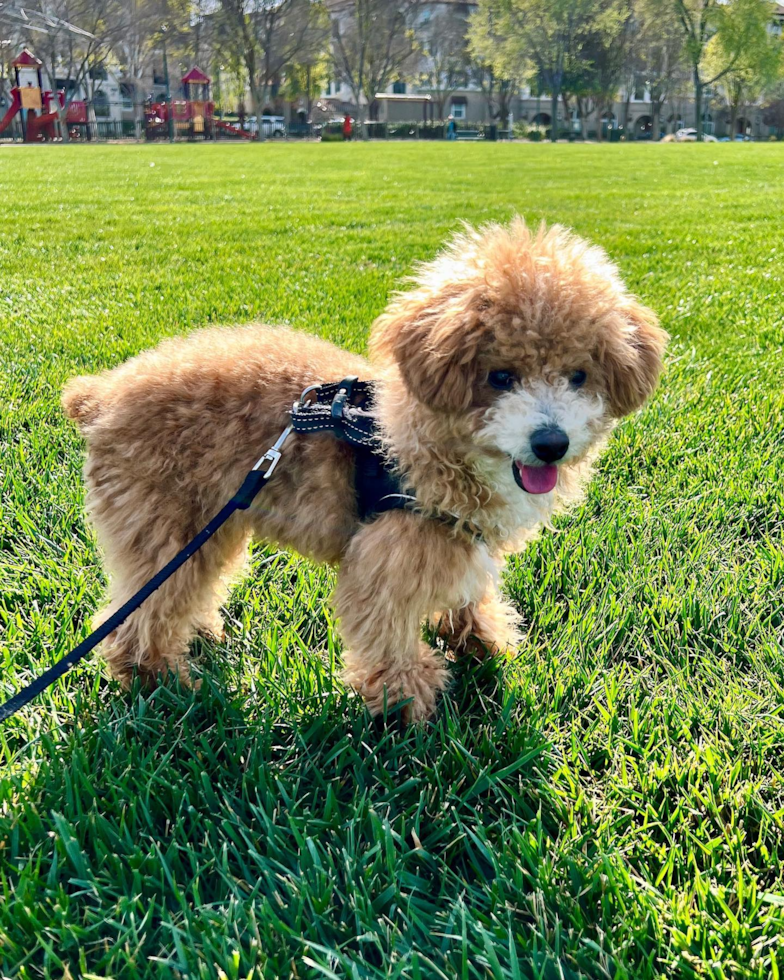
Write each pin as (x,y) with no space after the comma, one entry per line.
(610,804)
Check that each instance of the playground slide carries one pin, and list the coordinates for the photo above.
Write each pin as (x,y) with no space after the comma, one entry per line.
(234,130)
(16,105)
(41,124)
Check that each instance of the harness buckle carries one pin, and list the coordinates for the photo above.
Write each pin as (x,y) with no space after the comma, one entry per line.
(342,398)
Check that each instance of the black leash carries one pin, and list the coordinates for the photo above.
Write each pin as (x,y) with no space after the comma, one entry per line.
(241,500)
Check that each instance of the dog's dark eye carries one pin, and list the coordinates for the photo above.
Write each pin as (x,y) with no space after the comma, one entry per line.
(503,380)
(577,379)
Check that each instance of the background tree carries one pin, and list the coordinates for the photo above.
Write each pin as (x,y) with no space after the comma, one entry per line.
(373,43)
(307,77)
(497,93)
(755,69)
(523,38)
(8,51)
(482,43)
(137,39)
(773,111)
(656,55)
(606,47)
(444,53)
(271,36)
(594,67)
(69,37)
(739,26)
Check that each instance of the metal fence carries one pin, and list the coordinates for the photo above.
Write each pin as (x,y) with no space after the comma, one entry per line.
(179,120)
(149,121)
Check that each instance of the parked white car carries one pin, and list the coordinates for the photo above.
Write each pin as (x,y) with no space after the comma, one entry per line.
(690,136)
(272,127)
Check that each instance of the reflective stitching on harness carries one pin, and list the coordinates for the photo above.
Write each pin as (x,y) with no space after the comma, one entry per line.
(344,409)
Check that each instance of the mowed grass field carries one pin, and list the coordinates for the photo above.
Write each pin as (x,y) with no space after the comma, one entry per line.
(609,804)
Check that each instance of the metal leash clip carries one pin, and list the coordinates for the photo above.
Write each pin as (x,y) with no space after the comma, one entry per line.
(273,454)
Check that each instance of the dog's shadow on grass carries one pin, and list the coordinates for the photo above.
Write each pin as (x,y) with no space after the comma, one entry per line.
(262,778)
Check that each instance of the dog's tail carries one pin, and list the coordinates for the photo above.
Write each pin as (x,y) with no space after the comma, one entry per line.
(83,400)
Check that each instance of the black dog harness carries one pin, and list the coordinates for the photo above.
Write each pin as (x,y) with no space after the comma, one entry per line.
(345,408)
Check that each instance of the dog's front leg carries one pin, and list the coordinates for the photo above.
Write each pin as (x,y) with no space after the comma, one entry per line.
(488,627)
(395,572)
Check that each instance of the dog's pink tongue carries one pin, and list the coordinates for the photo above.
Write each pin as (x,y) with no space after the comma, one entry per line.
(538,479)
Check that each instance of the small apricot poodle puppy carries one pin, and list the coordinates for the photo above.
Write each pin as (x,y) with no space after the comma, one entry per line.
(497,377)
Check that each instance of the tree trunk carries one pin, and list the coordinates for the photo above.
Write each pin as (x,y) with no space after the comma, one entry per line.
(733,120)
(361,119)
(554,116)
(567,111)
(137,115)
(655,124)
(698,103)
(256,100)
(582,112)
(62,118)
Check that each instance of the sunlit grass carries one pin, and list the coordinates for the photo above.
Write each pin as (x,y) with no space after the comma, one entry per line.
(608,805)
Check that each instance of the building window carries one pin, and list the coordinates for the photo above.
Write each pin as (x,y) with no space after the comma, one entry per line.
(127,92)
(98,74)
(639,88)
(101,105)
(398,88)
(458,110)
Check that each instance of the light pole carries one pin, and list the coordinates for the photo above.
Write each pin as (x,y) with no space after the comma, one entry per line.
(169,113)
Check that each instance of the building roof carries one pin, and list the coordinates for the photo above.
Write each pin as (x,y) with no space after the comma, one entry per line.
(387,97)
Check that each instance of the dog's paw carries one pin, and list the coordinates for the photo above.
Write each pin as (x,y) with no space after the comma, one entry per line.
(419,683)
(212,629)
(486,630)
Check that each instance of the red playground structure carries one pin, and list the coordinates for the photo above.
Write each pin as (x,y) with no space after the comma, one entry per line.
(35,107)
(193,116)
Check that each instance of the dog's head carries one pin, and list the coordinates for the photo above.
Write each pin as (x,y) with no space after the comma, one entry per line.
(527,344)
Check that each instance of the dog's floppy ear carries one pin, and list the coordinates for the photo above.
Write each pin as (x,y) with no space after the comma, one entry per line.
(435,338)
(632,359)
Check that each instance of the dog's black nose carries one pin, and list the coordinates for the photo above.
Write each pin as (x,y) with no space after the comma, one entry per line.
(549,444)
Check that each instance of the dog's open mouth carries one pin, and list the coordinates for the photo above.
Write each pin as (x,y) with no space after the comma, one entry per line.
(535,479)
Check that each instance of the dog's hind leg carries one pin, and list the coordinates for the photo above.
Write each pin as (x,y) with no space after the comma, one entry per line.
(154,640)
(485,628)
(395,572)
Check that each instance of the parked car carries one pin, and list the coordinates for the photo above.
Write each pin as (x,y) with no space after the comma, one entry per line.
(690,136)
(272,127)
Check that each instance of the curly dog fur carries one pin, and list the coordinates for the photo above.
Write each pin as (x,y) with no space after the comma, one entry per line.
(172,432)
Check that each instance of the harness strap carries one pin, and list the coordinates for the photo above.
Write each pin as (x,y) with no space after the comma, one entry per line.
(345,409)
